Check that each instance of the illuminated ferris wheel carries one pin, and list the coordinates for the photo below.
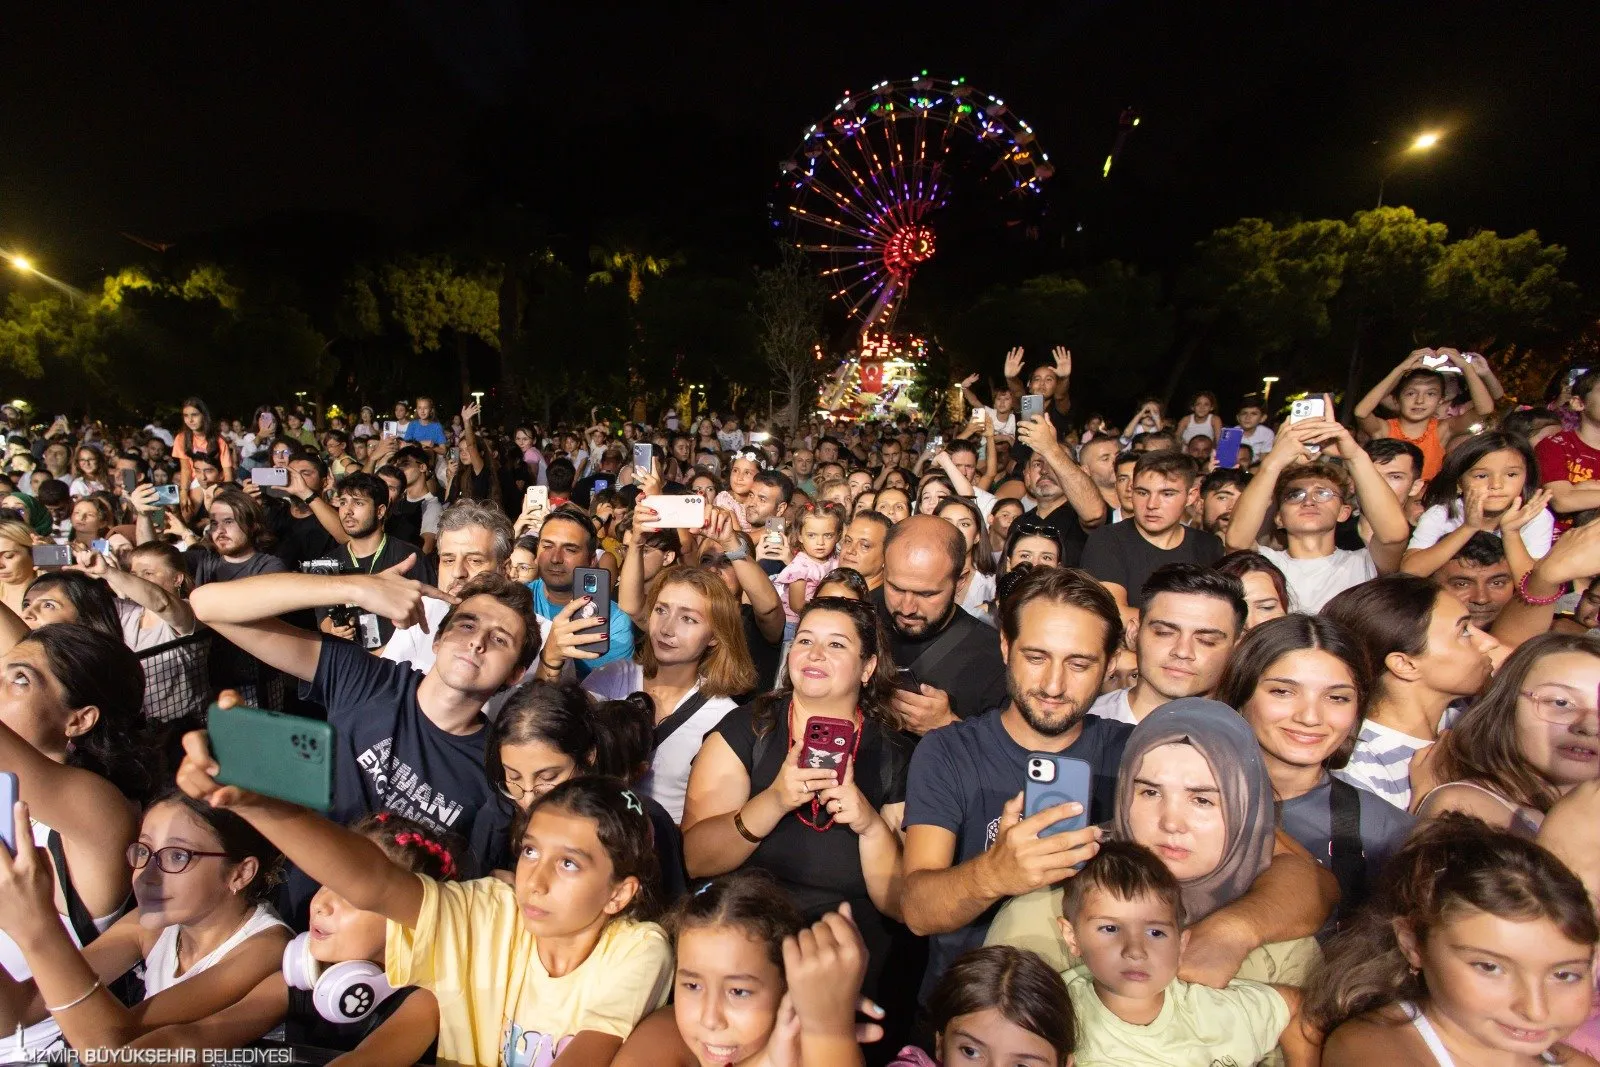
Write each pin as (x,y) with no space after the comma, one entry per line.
(863,192)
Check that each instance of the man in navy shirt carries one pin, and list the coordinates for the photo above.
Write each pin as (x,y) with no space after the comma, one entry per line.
(406,742)
(967,847)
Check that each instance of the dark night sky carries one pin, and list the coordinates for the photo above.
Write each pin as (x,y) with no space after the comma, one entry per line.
(174,125)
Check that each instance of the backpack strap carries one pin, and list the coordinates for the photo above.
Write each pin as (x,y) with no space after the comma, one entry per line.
(1346,855)
(682,714)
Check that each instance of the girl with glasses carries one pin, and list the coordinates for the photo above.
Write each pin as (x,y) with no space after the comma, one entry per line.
(1531,739)
(201,879)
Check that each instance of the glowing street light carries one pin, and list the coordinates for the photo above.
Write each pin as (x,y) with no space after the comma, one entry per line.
(1266,392)
(1424,142)
(21,263)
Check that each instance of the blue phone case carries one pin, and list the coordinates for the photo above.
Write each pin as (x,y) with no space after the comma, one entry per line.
(1054,779)
(1228,447)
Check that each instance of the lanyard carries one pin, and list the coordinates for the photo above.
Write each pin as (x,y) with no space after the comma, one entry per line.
(373,566)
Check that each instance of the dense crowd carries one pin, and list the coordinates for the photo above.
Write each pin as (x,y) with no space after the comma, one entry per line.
(1031,738)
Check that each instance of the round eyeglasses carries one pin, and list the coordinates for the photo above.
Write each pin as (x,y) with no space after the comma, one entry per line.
(1320,493)
(1557,707)
(171,859)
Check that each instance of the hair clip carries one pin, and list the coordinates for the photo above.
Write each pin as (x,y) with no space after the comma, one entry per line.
(632,801)
(703,889)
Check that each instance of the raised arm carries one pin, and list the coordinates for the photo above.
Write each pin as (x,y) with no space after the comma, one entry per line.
(1063,394)
(1013,371)
(1390,530)
(1365,410)
(164,603)
(1039,434)
(1574,556)
(326,515)
(345,862)
(1254,504)
(1482,401)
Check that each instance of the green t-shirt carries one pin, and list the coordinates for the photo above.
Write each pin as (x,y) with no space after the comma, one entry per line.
(1197,1026)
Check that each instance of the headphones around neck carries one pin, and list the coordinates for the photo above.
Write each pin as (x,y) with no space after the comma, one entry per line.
(346,992)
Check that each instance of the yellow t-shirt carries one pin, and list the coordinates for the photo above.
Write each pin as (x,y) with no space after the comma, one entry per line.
(498,1006)
(1197,1026)
(1032,922)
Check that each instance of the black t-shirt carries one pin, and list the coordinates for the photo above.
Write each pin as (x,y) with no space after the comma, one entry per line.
(205,566)
(300,539)
(821,869)
(584,491)
(491,839)
(231,667)
(763,653)
(1064,519)
(391,550)
(403,520)
(304,1027)
(1119,553)
(961,777)
(389,756)
(972,672)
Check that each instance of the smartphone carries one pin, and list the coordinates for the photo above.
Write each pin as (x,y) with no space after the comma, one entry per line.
(101,546)
(452,456)
(775,531)
(935,443)
(678,512)
(1054,779)
(905,680)
(1435,361)
(642,461)
(537,496)
(827,743)
(1032,405)
(595,583)
(52,556)
(760,437)
(288,757)
(129,480)
(8,802)
(270,477)
(167,496)
(1227,453)
(1309,408)
(391,429)
(602,484)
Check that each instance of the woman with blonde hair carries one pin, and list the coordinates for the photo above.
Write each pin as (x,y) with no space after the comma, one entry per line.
(693,661)
(16,563)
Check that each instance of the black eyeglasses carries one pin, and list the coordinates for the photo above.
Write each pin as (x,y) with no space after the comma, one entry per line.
(171,860)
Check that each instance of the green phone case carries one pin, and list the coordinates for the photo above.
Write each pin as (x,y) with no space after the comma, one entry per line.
(276,755)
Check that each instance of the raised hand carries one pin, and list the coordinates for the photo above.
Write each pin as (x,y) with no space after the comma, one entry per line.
(570,635)
(970,380)
(1519,514)
(1014,364)
(796,785)
(1472,503)
(468,413)
(389,594)
(1021,861)
(1063,357)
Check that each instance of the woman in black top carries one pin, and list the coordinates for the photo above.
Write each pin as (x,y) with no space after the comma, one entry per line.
(751,802)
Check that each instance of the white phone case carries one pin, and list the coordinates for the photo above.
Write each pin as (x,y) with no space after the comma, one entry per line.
(678,512)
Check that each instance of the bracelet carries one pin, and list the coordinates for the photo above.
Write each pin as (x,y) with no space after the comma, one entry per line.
(91,992)
(554,670)
(1528,598)
(734,554)
(738,824)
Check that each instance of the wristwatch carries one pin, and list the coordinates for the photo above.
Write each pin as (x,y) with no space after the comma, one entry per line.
(733,554)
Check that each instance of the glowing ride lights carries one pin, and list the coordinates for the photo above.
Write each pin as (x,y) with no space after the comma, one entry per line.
(860,193)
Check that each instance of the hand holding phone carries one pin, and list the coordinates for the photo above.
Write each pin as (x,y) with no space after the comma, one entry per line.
(677,512)
(1052,780)
(827,744)
(8,804)
(594,583)
(288,757)
(1228,443)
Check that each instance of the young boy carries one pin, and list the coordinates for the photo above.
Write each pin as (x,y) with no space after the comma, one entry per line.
(1123,914)
(1258,437)
(1420,398)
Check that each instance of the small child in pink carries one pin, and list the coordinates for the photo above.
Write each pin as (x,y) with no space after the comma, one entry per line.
(816,538)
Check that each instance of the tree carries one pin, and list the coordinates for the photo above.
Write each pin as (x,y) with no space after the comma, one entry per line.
(429,297)
(788,310)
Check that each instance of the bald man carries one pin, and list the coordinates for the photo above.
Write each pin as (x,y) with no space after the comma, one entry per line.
(954,658)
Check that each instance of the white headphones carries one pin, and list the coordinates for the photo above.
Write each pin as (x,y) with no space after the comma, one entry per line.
(346,992)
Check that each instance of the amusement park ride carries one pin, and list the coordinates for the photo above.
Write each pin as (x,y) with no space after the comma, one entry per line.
(862,196)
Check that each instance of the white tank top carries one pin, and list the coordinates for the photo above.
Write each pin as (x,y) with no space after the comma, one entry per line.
(1430,1037)
(161,962)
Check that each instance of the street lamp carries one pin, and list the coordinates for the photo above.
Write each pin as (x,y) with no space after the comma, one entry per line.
(1266,392)
(21,263)
(1424,142)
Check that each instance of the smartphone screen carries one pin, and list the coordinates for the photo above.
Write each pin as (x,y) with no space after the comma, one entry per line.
(8,801)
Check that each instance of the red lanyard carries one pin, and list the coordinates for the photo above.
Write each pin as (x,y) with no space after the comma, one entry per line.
(816,804)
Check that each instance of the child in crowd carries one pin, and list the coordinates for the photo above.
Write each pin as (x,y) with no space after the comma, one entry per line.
(1258,436)
(565,963)
(1202,419)
(1123,914)
(331,992)
(1478,948)
(1419,390)
(1487,483)
(998,1005)
(816,539)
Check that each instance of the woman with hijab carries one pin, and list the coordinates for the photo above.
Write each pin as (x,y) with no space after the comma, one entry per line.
(1193,788)
(35,514)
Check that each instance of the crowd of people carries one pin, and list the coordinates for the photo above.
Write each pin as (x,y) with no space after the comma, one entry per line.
(1028,739)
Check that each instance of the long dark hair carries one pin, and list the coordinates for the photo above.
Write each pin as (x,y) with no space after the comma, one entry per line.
(1451,864)
(1483,747)
(623,828)
(1387,614)
(96,669)
(1276,638)
(982,557)
(206,425)
(91,598)
(563,717)
(1445,489)
(876,696)
(1022,987)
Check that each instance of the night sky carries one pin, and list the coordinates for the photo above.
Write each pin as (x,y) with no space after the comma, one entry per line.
(181,125)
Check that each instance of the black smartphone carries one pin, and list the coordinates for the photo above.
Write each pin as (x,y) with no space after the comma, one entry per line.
(595,583)
(906,679)
(130,478)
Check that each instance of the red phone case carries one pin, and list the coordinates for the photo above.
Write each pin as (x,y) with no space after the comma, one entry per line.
(827,743)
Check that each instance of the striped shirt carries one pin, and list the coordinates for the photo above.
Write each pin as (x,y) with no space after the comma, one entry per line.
(1381,763)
